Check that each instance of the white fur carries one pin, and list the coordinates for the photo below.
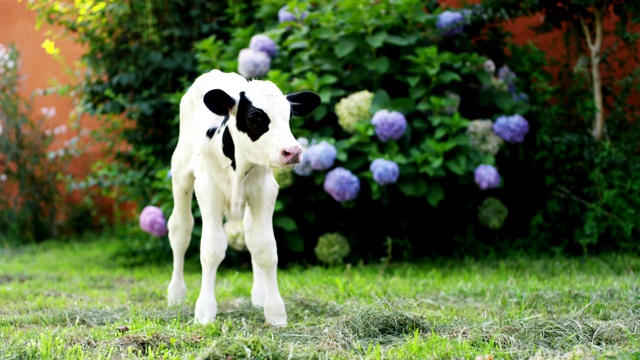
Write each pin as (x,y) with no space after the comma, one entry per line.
(249,192)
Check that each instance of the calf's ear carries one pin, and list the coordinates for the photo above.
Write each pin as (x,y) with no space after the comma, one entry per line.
(303,103)
(219,102)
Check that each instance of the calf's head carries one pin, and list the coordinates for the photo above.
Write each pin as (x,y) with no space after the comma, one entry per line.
(257,123)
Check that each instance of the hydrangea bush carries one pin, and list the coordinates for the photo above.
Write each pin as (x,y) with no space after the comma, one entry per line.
(394,131)
(462,88)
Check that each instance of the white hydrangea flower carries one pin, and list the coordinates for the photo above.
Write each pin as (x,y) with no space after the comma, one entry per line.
(489,66)
(482,137)
(353,109)
(235,234)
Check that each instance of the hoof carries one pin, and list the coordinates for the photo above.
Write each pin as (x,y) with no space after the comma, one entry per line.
(275,314)
(177,293)
(206,310)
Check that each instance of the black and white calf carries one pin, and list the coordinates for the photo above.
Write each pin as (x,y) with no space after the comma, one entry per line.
(232,132)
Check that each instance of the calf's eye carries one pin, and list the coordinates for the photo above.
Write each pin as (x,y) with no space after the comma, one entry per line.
(255,118)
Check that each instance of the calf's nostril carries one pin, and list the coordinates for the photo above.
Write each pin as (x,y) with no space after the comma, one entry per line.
(291,154)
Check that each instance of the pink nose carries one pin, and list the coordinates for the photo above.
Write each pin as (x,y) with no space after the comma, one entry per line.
(291,155)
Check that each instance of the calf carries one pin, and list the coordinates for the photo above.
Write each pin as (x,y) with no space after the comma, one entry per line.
(232,132)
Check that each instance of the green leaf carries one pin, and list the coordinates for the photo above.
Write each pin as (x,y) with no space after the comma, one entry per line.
(380,65)
(403,104)
(446,77)
(345,47)
(485,78)
(376,40)
(413,188)
(503,100)
(436,162)
(381,100)
(298,45)
(457,165)
(285,222)
(294,242)
(324,33)
(327,79)
(400,40)
(440,132)
(435,194)
(413,80)
(325,95)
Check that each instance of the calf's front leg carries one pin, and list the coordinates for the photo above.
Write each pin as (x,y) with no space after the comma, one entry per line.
(213,246)
(261,243)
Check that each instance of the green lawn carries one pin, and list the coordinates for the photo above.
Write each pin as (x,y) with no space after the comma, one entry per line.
(73,301)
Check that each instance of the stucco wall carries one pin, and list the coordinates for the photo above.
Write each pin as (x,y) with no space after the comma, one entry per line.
(38,68)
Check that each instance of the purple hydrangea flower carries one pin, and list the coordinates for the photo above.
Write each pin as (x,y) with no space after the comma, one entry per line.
(264,43)
(487,177)
(304,167)
(153,222)
(390,125)
(341,184)
(384,171)
(253,63)
(511,129)
(521,97)
(322,155)
(450,23)
(508,77)
(505,74)
(284,15)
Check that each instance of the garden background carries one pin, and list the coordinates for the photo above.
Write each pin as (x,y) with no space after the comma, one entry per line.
(107,145)
(462,195)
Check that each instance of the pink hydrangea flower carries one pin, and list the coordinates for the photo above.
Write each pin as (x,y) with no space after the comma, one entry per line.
(152,221)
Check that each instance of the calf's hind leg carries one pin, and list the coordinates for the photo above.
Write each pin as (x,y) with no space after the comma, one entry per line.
(180,227)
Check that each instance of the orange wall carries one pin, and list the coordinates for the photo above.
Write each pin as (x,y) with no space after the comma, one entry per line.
(37,68)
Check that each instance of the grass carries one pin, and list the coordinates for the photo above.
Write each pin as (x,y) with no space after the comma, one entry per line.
(74,301)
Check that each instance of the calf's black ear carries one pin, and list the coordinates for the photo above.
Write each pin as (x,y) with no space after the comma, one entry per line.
(303,103)
(219,102)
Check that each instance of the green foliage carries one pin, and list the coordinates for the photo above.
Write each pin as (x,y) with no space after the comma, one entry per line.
(332,248)
(137,52)
(31,173)
(438,83)
(140,64)
(588,198)
(492,213)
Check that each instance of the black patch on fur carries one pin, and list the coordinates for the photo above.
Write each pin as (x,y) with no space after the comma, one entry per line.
(211,131)
(303,103)
(219,102)
(250,119)
(228,147)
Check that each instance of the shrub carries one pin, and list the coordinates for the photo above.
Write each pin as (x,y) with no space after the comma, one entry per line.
(131,63)
(32,206)
(394,88)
